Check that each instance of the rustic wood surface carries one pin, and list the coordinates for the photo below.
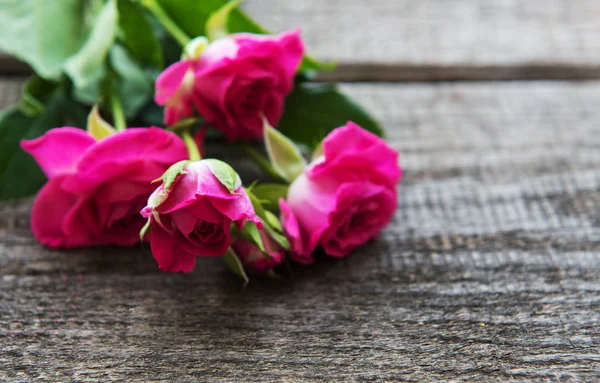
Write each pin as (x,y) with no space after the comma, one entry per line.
(445,39)
(490,270)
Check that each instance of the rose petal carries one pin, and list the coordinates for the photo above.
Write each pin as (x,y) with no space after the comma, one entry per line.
(58,151)
(150,144)
(169,256)
(238,210)
(49,210)
(355,151)
(170,80)
(301,252)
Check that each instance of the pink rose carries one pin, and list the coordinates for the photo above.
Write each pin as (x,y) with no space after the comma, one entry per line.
(174,89)
(233,81)
(193,216)
(96,188)
(345,197)
(254,259)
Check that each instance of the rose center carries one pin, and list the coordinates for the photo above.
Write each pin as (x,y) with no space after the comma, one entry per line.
(206,232)
(252,97)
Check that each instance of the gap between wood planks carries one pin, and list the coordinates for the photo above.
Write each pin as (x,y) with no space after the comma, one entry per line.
(413,72)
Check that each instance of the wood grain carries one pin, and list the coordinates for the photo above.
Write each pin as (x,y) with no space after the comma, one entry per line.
(444,40)
(490,270)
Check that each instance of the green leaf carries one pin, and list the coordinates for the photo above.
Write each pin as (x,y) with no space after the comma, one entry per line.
(97,126)
(273,221)
(283,153)
(42,33)
(270,194)
(151,115)
(145,229)
(235,265)
(256,203)
(36,92)
(270,221)
(137,34)
(191,16)
(134,87)
(19,174)
(173,172)
(14,126)
(312,111)
(216,25)
(251,232)
(278,237)
(89,63)
(224,173)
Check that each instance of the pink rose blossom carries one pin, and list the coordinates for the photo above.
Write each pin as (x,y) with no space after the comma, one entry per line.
(193,217)
(345,197)
(96,188)
(233,82)
(254,259)
(243,76)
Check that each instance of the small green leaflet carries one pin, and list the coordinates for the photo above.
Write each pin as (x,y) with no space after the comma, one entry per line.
(256,203)
(173,172)
(97,126)
(283,153)
(270,194)
(273,220)
(278,237)
(216,25)
(270,221)
(251,233)
(224,173)
(145,229)
(234,264)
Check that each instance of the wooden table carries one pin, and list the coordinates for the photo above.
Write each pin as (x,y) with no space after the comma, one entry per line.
(490,270)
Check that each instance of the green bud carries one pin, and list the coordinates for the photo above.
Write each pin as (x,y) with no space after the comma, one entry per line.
(97,127)
(283,153)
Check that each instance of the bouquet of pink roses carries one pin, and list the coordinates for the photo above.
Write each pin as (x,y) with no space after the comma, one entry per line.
(202,70)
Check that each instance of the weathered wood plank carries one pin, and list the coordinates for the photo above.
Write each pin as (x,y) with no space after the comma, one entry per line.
(445,40)
(490,270)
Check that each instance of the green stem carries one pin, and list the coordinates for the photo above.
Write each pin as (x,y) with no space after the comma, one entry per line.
(167,22)
(261,161)
(191,146)
(117,112)
(184,124)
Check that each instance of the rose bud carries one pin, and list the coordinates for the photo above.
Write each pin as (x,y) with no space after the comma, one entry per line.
(96,187)
(175,85)
(344,197)
(243,76)
(253,258)
(192,211)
